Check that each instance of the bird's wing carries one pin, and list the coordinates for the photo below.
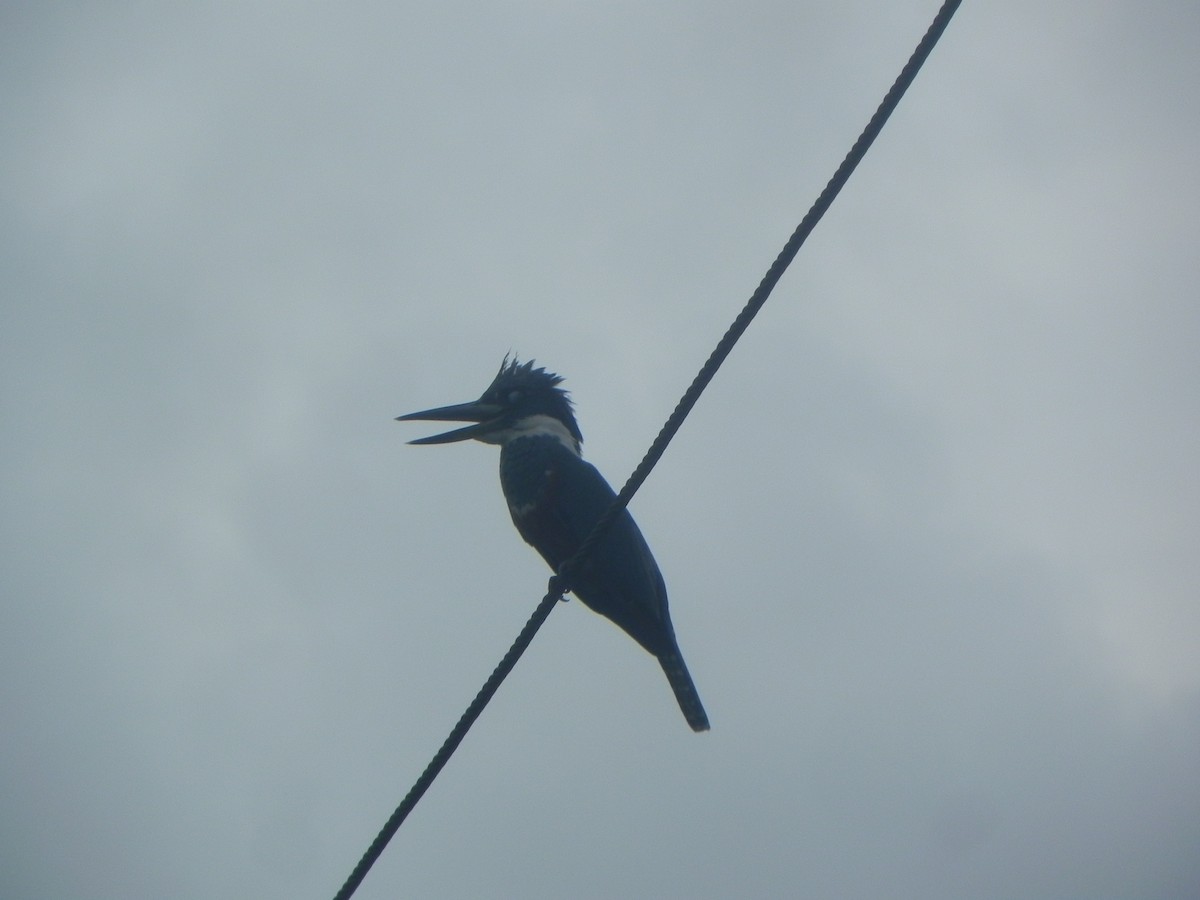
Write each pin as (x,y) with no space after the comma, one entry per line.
(621,579)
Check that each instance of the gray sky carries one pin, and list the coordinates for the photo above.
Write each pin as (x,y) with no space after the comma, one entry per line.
(930,537)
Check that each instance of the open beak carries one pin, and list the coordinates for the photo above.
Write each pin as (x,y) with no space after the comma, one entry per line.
(484,415)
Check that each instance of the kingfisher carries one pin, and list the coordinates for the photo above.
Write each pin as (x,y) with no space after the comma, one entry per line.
(555,498)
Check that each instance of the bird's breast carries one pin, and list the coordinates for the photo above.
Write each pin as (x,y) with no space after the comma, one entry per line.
(528,469)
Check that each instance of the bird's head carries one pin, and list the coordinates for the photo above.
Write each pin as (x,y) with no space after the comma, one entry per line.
(521,401)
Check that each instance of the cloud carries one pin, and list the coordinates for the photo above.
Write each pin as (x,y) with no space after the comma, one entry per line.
(928,536)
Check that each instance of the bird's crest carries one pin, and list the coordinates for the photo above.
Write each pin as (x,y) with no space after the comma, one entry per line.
(520,383)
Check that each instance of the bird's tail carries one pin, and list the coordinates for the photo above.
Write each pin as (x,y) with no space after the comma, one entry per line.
(685,690)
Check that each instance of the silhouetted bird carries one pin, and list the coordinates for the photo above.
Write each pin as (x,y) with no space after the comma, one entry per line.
(555,498)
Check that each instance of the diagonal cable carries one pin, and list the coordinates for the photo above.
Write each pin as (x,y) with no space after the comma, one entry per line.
(886,107)
(560,583)
(417,791)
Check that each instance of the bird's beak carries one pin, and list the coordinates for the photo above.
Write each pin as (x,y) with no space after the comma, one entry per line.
(484,415)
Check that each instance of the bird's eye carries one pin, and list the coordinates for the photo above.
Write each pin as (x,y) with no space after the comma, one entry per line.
(515,396)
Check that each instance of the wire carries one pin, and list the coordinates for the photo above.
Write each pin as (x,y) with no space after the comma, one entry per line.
(560,583)
(553,595)
(889,103)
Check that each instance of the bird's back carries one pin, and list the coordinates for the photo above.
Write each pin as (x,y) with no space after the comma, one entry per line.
(555,499)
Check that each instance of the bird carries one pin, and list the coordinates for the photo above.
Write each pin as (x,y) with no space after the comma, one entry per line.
(555,497)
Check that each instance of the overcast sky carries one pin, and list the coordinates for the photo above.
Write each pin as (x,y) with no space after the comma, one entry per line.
(931,537)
